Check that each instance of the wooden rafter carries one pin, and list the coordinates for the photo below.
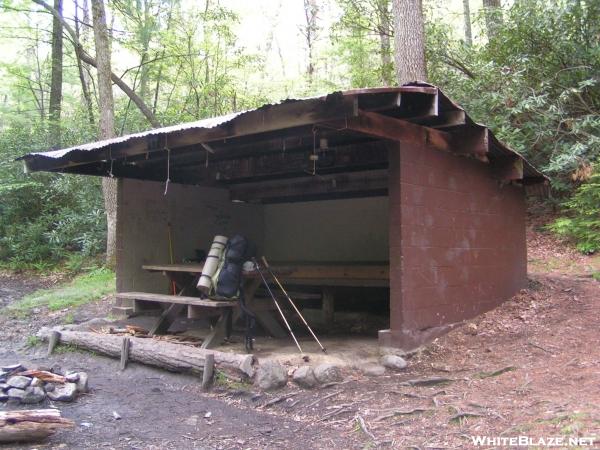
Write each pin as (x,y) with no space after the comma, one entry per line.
(365,183)
(385,127)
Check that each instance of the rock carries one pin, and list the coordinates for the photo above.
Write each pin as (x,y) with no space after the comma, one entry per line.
(3,376)
(305,377)
(33,395)
(270,375)
(16,394)
(49,387)
(373,370)
(393,362)
(328,373)
(82,382)
(19,382)
(35,382)
(13,368)
(63,392)
(72,377)
(192,420)
(4,387)
(3,397)
(471,329)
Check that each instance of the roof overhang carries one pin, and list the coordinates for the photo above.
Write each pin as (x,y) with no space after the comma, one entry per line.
(256,151)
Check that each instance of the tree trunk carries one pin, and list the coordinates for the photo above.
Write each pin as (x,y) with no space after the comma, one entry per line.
(166,355)
(409,39)
(492,10)
(467,19)
(384,41)
(106,121)
(83,74)
(30,425)
(311,9)
(54,107)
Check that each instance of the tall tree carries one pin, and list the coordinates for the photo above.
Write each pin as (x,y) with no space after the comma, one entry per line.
(106,122)
(409,40)
(467,21)
(56,78)
(384,32)
(83,68)
(310,31)
(492,11)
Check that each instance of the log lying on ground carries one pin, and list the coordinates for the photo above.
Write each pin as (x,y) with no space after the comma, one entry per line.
(30,425)
(173,357)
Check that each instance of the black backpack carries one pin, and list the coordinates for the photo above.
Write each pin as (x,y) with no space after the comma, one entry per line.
(230,275)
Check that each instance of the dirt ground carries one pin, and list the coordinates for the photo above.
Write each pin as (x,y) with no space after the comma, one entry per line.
(529,368)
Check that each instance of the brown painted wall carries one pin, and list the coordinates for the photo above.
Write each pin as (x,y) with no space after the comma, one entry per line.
(457,242)
(196,214)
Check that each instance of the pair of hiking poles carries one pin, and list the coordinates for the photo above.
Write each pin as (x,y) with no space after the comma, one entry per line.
(262,276)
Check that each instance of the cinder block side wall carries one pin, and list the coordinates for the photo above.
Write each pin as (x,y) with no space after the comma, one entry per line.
(196,215)
(457,244)
(331,230)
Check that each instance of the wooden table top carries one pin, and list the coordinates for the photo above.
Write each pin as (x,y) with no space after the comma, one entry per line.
(365,274)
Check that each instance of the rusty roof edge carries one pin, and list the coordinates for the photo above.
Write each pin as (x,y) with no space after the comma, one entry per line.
(219,121)
(533,172)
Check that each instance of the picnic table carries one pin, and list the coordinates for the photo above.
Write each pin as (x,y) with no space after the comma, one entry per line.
(185,276)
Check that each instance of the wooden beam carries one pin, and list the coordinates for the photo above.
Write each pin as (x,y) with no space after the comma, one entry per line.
(267,118)
(507,169)
(364,156)
(473,141)
(370,155)
(385,127)
(347,184)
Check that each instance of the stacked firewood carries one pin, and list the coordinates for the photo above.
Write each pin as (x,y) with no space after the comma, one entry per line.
(132,330)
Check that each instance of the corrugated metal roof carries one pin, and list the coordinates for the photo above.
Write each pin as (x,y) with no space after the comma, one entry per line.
(225,120)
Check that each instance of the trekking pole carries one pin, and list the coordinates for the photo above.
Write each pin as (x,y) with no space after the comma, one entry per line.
(276,304)
(292,303)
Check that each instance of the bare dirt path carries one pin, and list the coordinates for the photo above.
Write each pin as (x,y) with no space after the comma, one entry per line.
(529,368)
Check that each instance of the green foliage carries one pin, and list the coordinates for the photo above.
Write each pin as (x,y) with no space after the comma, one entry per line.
(45,217)
(583,225)
(82,289)
(362,38)
(536,83)
(32,341)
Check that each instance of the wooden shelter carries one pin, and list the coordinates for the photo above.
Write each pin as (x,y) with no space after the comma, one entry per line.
(389,187)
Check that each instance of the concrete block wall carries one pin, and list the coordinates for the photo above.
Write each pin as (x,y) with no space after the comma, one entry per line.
(457,242)
(196,215)
(327,231)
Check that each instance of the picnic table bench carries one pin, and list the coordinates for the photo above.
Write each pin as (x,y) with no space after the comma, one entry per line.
(185,276)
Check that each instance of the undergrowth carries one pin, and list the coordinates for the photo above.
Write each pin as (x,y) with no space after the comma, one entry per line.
(81,290)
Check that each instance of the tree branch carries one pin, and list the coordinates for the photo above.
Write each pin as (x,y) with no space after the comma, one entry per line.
(87,58)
